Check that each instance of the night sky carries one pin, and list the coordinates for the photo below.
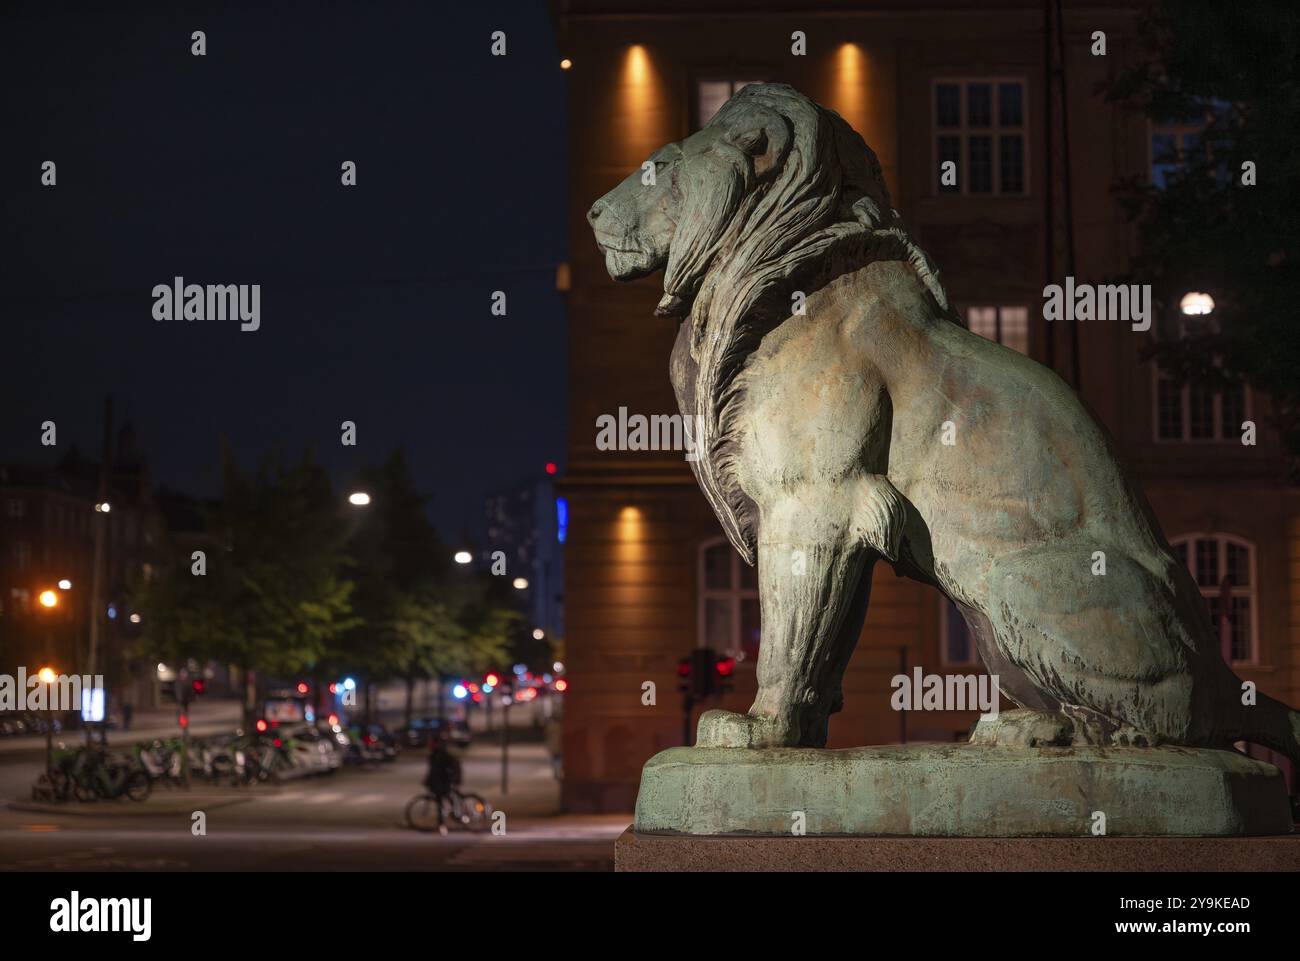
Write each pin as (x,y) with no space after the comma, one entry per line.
(225,169)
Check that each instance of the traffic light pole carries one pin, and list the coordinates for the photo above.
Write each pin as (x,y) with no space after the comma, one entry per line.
(505,743)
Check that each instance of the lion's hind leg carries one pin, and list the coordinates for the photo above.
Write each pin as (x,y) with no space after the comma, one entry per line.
(1099,639)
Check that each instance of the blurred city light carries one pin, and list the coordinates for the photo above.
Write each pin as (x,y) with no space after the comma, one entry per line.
(65,585)
(49,599)
(1196,304)
(463,557)
(521,583)
(359,498)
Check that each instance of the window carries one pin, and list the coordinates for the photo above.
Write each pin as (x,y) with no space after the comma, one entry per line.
(956,645)
(980,126)
(1194,412)
(1223,567)
(1009,326)
(729,610)
(710,95)
(1174,139)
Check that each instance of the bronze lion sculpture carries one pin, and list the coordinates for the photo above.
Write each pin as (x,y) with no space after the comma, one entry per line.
(868,423)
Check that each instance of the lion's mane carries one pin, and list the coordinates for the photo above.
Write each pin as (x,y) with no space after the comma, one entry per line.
(748,238)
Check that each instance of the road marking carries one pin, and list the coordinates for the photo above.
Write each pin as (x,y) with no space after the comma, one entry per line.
(368,798)
(327,798)
(287,796)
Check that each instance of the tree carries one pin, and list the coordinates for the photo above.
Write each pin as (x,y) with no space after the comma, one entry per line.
(275,596)
(1210,228)
(418,617)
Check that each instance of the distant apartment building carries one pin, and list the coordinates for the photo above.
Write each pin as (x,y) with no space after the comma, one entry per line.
(529,524)
(649,573)
(47,517)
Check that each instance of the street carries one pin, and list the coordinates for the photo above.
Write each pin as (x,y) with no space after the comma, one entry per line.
(349,820)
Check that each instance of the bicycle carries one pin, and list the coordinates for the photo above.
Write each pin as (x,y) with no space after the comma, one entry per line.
(468,810)
(95,774)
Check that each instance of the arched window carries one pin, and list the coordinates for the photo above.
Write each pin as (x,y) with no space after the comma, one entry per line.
(1223,567)
(728,602)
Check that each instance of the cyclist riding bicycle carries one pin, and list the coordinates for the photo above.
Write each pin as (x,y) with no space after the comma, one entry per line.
(442,776)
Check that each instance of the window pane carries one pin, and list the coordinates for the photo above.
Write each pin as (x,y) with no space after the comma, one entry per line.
(979,105)
(717,567)
(1241,629)
(1238,564)
(983,321)
(717,624)
(950,149)
(750,630)
(957,645)
(980,167)
(748,576)
(1180,552)
(1200,411)
(1011,105)
(1234,409)
(1011,157)
(1207,562)
(712,95)
(1170,409)
(947,105)
(1015,328)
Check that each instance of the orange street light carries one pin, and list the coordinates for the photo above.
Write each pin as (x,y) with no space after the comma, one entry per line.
(47,675)
(49,599)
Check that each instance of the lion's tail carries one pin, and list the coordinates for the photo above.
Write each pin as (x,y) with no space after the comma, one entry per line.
(1274,725)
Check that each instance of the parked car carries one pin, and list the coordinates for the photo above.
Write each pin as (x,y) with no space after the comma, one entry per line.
(310,751)
(422,730)
(372,742)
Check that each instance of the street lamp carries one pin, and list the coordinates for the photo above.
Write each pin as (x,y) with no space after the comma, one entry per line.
(359,499)
(65,585)
(463,557)
(1196,304)
(47,676)
(48,599)
(538,634)
(521,583)
(103,507)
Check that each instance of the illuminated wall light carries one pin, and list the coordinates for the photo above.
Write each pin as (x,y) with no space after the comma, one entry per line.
(644,114)
(850,85)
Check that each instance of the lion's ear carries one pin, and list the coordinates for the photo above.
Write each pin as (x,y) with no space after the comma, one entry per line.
(752,143)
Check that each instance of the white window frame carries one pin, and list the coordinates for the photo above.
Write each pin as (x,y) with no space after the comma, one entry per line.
(1251,593)
(697,122)
(1221,435)
(998,310)
(734,595)
(963,132)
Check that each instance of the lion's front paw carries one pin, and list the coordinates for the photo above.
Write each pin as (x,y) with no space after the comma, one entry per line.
(1022,728)
(728,729)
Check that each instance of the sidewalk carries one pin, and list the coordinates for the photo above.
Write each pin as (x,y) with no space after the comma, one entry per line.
(206,717)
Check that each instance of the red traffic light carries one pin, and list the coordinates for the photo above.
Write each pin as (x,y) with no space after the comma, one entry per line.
(561,685)
(491,680)
(302,687)
(261,726)
(197,686)
(684,667)
(725,666)
(184,720)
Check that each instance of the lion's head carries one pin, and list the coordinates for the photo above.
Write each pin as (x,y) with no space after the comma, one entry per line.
(775,194)
(770,170)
